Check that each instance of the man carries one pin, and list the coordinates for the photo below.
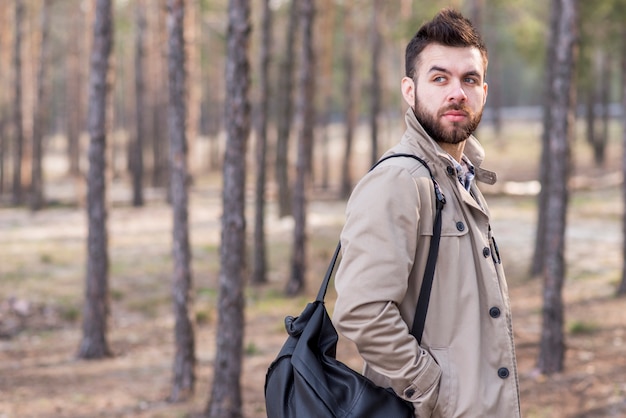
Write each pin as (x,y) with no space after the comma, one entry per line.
(465,366)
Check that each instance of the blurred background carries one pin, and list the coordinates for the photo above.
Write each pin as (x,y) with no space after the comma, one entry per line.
(291,84)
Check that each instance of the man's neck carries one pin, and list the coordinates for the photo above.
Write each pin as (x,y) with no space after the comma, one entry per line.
(455,150)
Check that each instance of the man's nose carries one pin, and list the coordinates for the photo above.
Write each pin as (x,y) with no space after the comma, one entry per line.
(457,94)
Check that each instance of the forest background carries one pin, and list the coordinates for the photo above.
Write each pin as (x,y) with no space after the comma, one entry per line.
(47,61)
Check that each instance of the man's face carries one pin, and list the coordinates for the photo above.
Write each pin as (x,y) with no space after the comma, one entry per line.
(449,92)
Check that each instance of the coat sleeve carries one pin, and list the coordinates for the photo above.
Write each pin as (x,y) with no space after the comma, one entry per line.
(379,242)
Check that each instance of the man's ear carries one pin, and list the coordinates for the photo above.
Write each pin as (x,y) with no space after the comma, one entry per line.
(486,87)
(407,87)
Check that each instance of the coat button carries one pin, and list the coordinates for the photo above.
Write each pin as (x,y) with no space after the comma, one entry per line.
(409,393)
(503,372)
(494,312)
(460,226)
(486,252)
(451,171)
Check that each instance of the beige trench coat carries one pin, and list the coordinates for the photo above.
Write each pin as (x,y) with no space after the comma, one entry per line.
(466,364)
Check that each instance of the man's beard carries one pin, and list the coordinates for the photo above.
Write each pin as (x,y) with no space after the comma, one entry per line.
(458,132)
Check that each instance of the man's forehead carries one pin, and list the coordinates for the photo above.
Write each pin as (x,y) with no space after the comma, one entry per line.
(463,59)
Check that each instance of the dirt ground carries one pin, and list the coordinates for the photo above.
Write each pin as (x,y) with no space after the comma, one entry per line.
(41,285)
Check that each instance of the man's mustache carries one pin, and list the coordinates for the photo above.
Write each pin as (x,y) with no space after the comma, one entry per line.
(457,108)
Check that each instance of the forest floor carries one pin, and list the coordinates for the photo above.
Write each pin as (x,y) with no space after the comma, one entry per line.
(42,269)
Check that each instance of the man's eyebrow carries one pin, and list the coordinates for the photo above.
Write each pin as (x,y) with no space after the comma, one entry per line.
(473,73)
(437,69)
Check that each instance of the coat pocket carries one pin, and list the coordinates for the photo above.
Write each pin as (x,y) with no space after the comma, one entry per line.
(447,385)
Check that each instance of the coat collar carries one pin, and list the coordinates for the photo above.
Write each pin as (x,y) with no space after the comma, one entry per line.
(417,136)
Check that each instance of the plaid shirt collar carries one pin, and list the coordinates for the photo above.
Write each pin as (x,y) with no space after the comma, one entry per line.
(465,172)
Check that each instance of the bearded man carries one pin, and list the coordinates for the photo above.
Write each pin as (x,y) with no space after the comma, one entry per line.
(465,364)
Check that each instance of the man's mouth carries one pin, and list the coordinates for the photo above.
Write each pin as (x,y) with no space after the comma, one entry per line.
(455,115)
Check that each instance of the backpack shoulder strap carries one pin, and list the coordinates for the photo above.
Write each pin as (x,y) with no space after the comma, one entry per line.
(421,309)
(424,297)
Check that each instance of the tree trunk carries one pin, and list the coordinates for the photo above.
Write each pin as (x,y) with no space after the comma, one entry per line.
(552,344)
(226,399)
(476,8)
(621,290)
(376,45)
(194,95)
(136,151)
(212,105)
(306,114)
(538,261)
(3,144)
(74,83)
(37,199)
(605,86)
(495,83)
(96,310)
(259,269)
(598,99)
(159,149)
(327,31)
(494,76)
(475,13)
(285,89)
(5,95)
(18,129)
(158,101)
(184,358)
(590,117)
(348,93)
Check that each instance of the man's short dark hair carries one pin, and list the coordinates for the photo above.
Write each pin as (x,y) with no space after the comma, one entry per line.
(448,28)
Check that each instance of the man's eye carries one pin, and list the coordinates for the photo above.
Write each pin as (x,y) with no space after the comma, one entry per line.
(471,81)
(439,79)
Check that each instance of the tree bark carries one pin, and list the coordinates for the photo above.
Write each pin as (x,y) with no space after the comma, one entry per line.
(259,269)
(37,199)
(621,289)
(476,8)
(590,117)
(494,73)
(3,145)
(226,399)
(538,260)
(376,45)
(96,309)
(18,129)
(327,26)
(136,151)
(158,102)
(194,95)
(212,119)
(5,95)
(184,358)
(285,89)
(552,344)
(597,99)
(74,83)
(348,93)
(605,86)
(306,114)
